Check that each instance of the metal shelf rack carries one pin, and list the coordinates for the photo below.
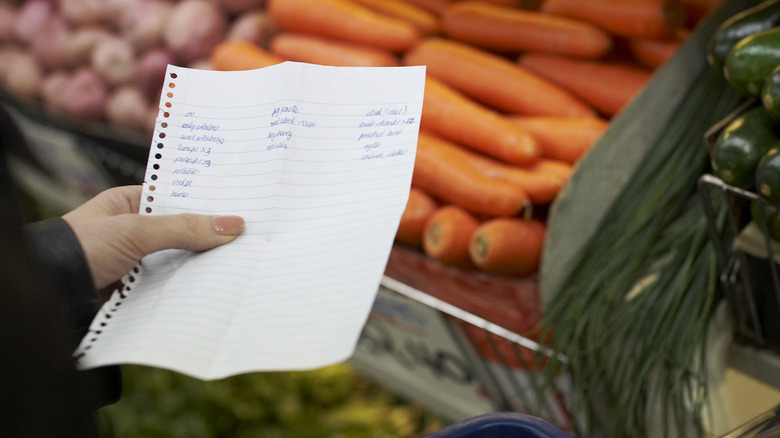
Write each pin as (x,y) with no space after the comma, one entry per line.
(453,362)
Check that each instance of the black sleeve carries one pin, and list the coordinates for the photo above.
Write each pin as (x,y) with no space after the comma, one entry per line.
(55,249)
(41,393)
(57,252)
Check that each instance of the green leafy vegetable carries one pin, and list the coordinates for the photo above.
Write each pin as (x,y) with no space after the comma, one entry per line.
(633,314)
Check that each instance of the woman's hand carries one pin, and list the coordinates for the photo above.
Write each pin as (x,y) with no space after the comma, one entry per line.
(114,236)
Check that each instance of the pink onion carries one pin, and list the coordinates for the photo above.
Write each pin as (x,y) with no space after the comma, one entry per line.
(86,95)
(150,71)
(31,18)
(255,26)
(7,20)
(143,25)
(82,12)
(127,107)
(114,61)
(194,29)
(50,44)
(23,75)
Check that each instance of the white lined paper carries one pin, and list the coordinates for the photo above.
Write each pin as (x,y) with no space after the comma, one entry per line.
(318,160)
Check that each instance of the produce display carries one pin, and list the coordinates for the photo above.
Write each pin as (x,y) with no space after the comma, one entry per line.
(517,91)
(746,152)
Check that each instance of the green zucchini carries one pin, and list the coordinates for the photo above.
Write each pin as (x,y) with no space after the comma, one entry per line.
(741,144)
(762,16)
(768,176)
(751,60)
(770,94)
(769,221)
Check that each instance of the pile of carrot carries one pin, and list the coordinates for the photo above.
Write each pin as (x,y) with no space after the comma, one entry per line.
(517,93)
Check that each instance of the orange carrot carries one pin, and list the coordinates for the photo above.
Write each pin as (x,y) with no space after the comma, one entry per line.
(541,184)
(651,53)
(345,20)
(452,115)
(426,22)
(493,80)
(509,247)
(328,51)
(563,138)
(652,19)
(436,6)
(546,166)
(606,86)
(541,187)
(512,30)
(419,208)
(447,236)
(241,55)
(521,4)
(440,171)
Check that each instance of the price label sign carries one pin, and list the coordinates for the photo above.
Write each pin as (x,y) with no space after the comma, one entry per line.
(408,347)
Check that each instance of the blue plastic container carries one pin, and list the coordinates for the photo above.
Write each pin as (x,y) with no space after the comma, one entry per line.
(501,425)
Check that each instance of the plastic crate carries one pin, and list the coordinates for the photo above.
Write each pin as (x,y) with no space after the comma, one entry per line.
(501,424)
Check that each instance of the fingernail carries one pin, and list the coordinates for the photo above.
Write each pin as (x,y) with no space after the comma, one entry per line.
(228,225)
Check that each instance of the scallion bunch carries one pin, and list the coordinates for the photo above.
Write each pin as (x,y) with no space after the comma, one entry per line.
(633,315)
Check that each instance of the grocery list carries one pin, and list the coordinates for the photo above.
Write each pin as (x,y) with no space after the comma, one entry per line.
(318,160)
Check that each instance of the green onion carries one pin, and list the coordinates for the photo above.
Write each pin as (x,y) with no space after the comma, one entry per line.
(633,314)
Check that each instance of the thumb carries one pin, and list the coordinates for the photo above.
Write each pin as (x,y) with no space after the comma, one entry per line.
(188,231)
